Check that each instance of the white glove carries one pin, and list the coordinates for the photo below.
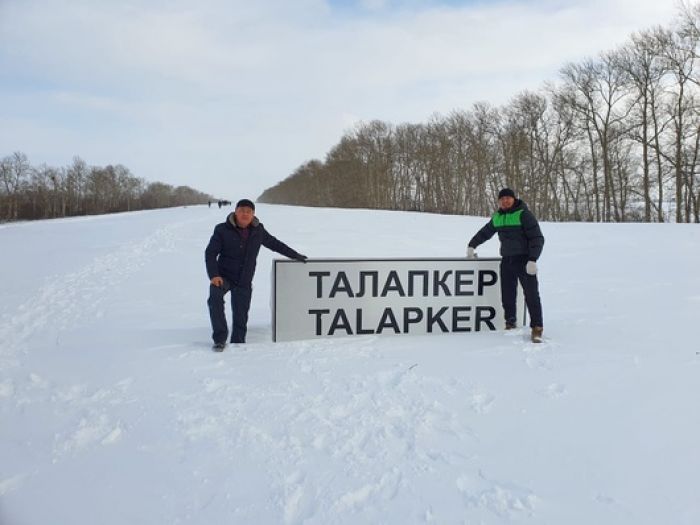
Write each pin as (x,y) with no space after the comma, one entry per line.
(471,254)
(531,267)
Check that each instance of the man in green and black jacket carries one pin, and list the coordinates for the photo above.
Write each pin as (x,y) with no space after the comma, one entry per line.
(521,245)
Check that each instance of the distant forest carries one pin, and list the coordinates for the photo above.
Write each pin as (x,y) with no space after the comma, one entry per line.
(616,138)
(44,192)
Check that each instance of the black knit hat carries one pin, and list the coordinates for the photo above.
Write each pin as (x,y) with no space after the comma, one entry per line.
(247,203)
(506,192)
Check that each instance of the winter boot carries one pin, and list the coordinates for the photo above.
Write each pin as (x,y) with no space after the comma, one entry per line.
(536,336)
(510,325)
(218,347)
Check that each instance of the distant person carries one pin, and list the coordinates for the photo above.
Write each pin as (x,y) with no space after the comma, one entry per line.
(521,245)
(210,204)
(230,257)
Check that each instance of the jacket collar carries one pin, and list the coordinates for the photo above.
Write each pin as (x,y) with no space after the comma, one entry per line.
(517,205)
(231,220)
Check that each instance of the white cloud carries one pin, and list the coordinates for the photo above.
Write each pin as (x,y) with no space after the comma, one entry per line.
(216,88)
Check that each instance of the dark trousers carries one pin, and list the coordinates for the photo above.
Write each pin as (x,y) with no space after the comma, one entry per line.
(240,304)
(512,271)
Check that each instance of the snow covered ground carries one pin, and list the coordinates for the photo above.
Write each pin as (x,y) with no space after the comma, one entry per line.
(114,410)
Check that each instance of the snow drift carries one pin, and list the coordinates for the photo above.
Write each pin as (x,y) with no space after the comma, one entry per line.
(113,408)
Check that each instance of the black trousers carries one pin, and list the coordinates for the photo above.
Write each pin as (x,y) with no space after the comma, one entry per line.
(240,304)
(512,271)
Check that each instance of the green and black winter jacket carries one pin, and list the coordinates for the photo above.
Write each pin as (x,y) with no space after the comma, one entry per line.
(517,230)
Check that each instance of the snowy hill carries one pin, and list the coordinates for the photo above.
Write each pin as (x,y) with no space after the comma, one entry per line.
(114,410)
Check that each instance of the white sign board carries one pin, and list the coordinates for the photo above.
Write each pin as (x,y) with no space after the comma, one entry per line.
(346,297)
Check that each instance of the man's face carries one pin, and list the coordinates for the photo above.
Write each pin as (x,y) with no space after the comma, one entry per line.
(244,216)
(506,203)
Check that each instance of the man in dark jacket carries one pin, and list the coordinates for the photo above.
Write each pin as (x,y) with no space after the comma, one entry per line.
(231,256)
(521,245)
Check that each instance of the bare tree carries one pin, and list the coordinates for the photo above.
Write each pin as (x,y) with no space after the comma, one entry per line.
(44,191)
(679,54)
(15,171)
(641,60)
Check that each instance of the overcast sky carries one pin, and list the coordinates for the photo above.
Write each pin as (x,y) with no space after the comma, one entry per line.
(231,96)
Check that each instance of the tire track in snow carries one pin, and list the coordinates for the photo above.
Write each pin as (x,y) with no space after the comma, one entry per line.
(84,415)
(64,301)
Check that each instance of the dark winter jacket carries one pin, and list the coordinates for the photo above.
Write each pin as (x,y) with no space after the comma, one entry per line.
(229,256)
(517,230)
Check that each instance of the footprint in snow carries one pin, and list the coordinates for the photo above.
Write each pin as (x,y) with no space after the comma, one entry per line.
(482,402)
(553,391)
(504,499)
(7,388)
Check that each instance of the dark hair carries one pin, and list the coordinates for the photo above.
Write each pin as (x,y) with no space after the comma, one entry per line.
(246,203)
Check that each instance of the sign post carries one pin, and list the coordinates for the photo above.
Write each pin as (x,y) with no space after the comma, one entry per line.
(346,297)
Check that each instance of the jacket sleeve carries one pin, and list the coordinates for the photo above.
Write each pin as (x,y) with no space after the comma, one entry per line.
(211,253)
(272,243)
(483,235)
(535,239)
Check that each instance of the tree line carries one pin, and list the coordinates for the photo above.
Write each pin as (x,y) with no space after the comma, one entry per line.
(615,138)
(43,192)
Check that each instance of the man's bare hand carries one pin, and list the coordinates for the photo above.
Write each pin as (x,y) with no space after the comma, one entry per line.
(217,281)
